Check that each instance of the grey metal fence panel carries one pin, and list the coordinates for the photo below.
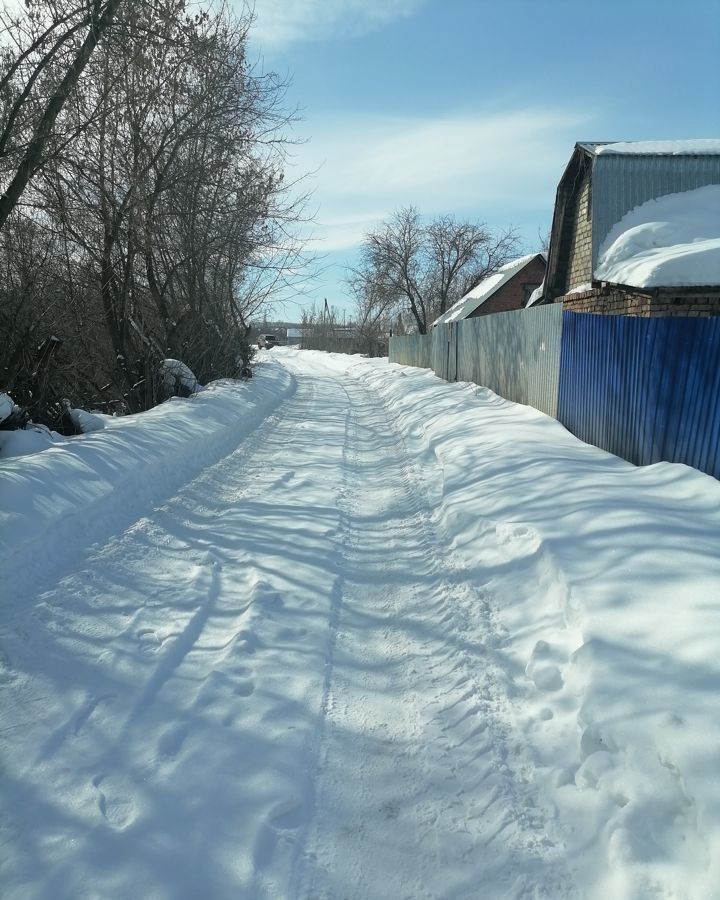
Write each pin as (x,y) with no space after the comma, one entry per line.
(440,350)
(411,350)
(516,354)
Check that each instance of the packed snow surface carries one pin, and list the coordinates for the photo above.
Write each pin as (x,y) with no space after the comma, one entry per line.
(673,241)
(347,631)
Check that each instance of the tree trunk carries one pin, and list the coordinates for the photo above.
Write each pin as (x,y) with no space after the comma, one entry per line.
(34,154)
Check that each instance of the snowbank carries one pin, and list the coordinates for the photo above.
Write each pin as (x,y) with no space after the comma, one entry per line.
(606,578)
(74,486)
(673,241)
(86,422)
(6,406)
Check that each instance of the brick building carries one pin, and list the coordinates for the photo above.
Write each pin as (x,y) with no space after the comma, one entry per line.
(601,184)
(509,288)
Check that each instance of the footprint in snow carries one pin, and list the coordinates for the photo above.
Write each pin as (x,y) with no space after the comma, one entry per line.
(115,800)
(241,671)
(171,741)
(267,597)
(290,634)
(283,479)
(287,816)
(246,642)
(148,641)
(390,809)
(523,540)
(244,688)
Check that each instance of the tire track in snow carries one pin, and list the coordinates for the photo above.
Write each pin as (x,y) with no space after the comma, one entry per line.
(298,814)
(417,794)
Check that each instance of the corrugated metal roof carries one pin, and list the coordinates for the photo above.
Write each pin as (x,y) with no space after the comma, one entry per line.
(620,182)
(626,174)
(483,291)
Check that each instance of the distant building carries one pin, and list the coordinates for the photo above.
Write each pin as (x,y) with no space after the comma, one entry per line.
(507,289)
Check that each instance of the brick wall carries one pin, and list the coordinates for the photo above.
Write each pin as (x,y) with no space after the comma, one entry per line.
(609,301)
(579,269)
(512,294)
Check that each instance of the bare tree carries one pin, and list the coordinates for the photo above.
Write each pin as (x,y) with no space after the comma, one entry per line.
(159,219)
(543,241)
(47,59)
(422,269)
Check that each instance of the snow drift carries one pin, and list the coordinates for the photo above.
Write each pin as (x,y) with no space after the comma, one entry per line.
(57,488)
(607,583)
(673,241)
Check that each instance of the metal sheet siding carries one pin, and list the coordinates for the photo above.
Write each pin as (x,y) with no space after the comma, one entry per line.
(516,354)
(645,389)
(440,351)
(411,350)
(622,182)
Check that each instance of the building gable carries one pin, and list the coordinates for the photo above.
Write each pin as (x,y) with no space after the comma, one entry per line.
(601,184)
(490,294)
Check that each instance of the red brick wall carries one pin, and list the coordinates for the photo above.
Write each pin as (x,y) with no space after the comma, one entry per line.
(512,295)
(607,301)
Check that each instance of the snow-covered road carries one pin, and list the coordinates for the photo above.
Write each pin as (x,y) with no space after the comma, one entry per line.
(285,665)
(414,795)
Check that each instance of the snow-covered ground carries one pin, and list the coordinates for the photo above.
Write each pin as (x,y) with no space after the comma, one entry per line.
(348,631)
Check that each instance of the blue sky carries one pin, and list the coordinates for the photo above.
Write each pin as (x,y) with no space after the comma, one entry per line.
(472,107)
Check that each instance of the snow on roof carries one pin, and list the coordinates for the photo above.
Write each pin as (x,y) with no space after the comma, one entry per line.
(699,147)
(484,290)
(673,241)
(536,295)
(516,264)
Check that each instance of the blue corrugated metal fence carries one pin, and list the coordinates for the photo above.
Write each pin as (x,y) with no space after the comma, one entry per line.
(644,389)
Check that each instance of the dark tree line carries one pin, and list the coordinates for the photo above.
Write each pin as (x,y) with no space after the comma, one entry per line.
(145,213)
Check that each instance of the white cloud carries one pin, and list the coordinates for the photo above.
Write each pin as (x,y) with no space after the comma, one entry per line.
(337,232)
(502,169)
(281,22)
